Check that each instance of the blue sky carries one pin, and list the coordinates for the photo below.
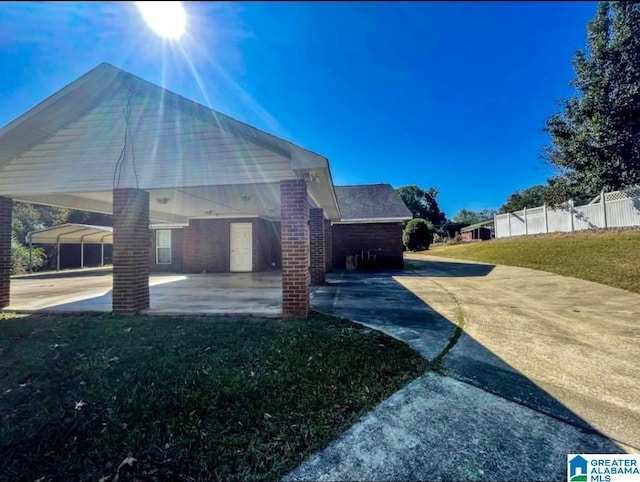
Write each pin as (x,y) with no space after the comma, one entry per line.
(445,94)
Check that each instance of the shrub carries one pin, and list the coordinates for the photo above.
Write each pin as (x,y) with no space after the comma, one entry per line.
(417,236)
(20,257)
(457,239)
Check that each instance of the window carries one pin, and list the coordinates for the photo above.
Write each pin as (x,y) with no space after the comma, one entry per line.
(163,246)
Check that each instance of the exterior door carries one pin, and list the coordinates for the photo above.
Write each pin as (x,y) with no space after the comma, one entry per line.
(241,247)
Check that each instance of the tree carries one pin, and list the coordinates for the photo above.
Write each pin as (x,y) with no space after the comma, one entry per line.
(422,203)
(31,217)
(596,137)
(20,257)
(467,216)
(87,217)
(531,197)
(416,235)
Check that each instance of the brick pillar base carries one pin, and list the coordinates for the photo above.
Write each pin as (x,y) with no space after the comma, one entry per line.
(130,251)
(295,249)
(5,250)
(328,255)
(317,263)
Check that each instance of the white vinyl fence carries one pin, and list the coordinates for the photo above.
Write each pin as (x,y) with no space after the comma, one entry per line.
(609,210)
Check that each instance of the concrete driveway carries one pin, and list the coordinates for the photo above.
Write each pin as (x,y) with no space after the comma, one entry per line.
(528,367)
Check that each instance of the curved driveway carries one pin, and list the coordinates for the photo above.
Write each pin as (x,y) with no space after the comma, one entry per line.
(528,367)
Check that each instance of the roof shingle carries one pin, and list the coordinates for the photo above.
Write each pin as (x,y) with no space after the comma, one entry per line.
(370,202)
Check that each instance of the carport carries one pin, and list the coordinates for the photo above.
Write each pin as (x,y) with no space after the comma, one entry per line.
(71,233)
(113,143)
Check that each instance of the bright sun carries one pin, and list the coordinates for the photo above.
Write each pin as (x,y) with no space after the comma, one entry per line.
(167,19)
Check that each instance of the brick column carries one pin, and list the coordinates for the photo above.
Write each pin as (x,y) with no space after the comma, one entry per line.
(317,263)
(5,250)
(295,248)
(130,251)
(328,253)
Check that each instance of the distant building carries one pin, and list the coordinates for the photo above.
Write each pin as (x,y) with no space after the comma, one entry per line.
(482,230)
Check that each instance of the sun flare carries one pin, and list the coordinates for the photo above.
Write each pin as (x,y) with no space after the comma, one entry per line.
(167,19)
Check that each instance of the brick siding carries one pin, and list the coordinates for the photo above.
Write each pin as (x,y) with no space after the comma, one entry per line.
(317,261)
(5,250)
(328,244)
(130,251)
(295,249)
(385,239)
(207,245)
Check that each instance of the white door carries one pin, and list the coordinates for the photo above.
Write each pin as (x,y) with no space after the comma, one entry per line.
(241,247)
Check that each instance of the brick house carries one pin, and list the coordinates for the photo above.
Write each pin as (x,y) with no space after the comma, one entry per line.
(218,194)
(370,226)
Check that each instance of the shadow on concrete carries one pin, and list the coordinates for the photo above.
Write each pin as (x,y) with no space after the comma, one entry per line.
(449,269)
(380,302)
(93,304)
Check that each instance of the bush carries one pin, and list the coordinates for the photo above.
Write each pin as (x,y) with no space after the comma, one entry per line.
(20,257)
(457,239)
(417,236)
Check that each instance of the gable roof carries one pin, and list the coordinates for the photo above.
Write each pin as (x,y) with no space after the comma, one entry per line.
(371,202)
(82,95)
(67,150)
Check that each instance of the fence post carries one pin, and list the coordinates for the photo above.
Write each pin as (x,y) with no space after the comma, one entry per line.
(571,210)
(603,203)
(526,223)
(509,221)
(546,219)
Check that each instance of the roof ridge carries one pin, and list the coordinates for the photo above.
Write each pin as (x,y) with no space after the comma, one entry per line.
(365,185)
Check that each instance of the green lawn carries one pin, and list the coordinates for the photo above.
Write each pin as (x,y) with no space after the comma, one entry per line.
(187,398)
(608,257)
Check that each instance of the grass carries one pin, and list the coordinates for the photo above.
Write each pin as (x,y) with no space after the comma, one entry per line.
(81,397)
(607,257)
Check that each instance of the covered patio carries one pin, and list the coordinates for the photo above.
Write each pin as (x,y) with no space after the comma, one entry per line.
(90,290)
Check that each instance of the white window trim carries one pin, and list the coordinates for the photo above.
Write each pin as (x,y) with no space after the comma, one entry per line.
(158,247)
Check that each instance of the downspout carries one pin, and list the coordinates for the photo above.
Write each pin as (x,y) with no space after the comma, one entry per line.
(58,253)
(82,251)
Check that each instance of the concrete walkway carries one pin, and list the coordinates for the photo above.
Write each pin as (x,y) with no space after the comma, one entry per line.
(531,366)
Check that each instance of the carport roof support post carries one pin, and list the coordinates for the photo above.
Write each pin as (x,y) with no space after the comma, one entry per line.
(328,255)
(6,205)
(294,207)
(317,235)
(130,251)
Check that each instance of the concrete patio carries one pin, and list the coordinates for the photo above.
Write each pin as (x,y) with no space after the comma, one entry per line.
(255,294)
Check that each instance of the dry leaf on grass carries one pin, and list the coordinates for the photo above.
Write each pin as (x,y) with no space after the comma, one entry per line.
(127,461)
